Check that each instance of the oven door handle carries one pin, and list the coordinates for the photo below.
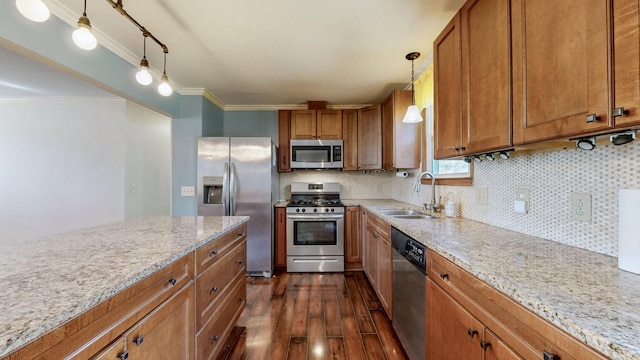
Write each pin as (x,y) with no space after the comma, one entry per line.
(315,217)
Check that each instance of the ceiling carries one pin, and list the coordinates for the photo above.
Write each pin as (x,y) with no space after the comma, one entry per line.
(275,53)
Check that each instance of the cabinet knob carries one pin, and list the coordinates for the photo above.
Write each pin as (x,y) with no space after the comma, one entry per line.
(240,262)
(484,345)
(592,118)
(240,299)
(444,276)
(123,356)
(471,332)
(240,234)
(455,148)
(172,281)
(214,253)
(620,111)
(138,340)
(214,338)
(549,356)
(214,289)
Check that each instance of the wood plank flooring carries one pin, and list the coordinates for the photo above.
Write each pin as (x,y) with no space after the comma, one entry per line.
(326,316)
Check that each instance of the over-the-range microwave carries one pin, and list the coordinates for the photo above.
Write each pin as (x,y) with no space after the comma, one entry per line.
(316,154)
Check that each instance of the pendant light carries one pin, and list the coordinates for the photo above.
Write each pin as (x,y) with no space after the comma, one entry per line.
(143,77)
(82,36)
(34,10)
(164,88)
(413,113)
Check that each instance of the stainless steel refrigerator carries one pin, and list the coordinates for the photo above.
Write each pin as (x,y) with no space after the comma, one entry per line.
(238,176)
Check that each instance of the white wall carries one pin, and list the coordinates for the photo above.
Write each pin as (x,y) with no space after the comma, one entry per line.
(148,163)
(61,165)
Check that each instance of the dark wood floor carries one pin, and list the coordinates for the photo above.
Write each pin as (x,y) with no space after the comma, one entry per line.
(314,316)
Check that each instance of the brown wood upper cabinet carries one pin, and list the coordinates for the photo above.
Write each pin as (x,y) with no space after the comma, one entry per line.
(400,141)
(561,68)
(350,139)
(284,135)
(626,44)
(369,138)
(472,81)
(316,124)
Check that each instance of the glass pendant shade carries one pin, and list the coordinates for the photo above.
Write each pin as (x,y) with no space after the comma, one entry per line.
(143,77)
(413,115)
(82,36)
(34,10)
(164,88)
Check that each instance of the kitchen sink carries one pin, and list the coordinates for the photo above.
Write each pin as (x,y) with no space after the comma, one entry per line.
(414,217)
(399,212)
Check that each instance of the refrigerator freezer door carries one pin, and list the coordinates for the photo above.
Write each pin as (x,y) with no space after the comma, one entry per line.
(252,196)
(213,163)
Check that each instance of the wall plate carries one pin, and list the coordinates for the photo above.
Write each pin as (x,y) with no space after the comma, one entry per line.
(581,206)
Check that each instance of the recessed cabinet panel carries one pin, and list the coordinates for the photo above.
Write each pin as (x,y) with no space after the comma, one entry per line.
(560,68)
(303,124)
(626,38)
(369,138)
(350,139)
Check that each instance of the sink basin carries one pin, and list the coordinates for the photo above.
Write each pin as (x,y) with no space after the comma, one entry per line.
(414,217)
(399,212)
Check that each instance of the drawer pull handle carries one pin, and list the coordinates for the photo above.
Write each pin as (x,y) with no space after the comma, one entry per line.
(592,118)
(214,289)
(240,262)
(620,112)
(484,345)
(471,333)
(123,356)
(240,299)
(444,276)
(214,338)
(240,234)
(138,340)
(172,281)
(549,356)
(214,253)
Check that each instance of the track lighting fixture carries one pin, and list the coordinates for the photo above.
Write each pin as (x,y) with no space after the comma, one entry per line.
(34,10)
(164,88)
(504,155)
(143,77)
(477,159)
(586,143)
(413,113)
(82,36)
(467,159)
(489,157)
(623,138)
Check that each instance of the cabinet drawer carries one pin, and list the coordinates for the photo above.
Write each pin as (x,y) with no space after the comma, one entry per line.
(210,340)
(208,254)
(380,226)
(217,281)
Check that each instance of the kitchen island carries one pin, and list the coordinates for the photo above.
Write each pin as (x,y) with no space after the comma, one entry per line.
(50,281)
(581,292)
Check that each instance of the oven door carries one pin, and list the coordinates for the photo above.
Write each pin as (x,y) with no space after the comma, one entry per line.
(315,235)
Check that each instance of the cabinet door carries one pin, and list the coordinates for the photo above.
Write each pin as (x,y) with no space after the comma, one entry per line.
(560,68)
(369,138)
(363,236)
(626,67)
(400,141)
(353,246)
(452,333)
(303,124)
(284,134)
(447,91)
(117,350)
(350,139)
(486,89)
(329,124)
(385,273)
(281,237)
(167,332)
(496,349)
(371,256)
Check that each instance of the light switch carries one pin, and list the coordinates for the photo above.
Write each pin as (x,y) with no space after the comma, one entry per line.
(188,191)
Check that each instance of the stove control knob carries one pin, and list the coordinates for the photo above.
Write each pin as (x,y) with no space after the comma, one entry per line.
(332,209)
(303,210)
(315,210)
(327,210)
(297,210)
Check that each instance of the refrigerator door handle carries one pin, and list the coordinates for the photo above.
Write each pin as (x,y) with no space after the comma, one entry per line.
(233,189)
(225,189)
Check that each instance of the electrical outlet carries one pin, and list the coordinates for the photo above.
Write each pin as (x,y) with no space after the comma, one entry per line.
(581,207)
(133,188)
(187,191)
(482,196)
(522,194)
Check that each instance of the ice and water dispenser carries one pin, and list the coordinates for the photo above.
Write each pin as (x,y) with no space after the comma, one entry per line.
(212,189)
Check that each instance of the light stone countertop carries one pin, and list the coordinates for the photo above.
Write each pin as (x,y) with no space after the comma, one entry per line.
(582,292)
(50,280)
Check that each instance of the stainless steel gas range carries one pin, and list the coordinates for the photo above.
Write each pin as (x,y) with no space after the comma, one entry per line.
(315,228)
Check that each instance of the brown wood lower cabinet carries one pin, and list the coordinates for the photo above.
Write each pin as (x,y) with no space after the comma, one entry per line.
(156,318)
(465,316)
(281,238)
(352,239)
(377,261)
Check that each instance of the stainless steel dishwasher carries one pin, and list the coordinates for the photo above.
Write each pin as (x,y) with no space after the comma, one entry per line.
(409,293)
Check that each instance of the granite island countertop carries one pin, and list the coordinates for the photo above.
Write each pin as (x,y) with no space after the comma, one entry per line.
(581,292)
(50,280)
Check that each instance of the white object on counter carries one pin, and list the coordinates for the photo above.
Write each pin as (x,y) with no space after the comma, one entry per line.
(628,236)
(451,209)
(402,173)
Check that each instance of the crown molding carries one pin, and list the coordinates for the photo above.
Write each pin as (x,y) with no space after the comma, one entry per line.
(27,99)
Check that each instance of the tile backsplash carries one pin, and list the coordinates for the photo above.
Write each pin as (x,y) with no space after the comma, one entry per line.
(551,177)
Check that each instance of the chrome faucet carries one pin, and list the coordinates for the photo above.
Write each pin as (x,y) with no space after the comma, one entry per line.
(434,206)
